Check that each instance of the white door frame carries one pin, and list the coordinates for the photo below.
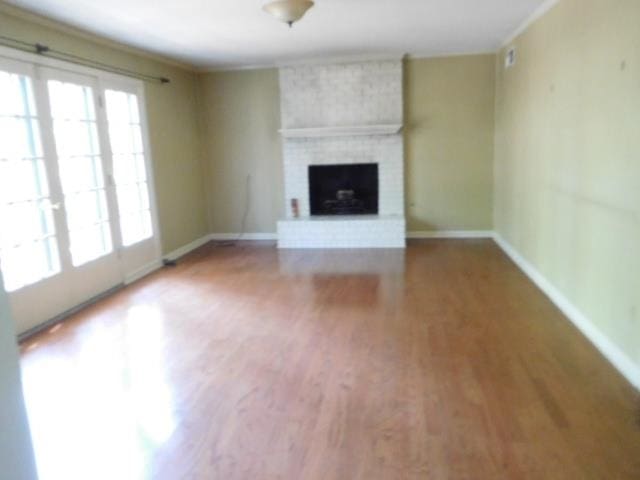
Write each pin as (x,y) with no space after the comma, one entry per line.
(31,64)
(134,85)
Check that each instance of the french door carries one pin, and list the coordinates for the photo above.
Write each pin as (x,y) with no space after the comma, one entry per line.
(75,202)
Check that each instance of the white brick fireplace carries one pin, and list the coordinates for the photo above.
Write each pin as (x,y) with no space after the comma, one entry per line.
(343,114)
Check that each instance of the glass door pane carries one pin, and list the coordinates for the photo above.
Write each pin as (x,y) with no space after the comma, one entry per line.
(59,221)
(130,174)
(28,244)
(80,166)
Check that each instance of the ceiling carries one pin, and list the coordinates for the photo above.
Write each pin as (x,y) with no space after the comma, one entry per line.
(237,33)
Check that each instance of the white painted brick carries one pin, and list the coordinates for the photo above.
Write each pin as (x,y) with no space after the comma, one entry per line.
(366,93)
(348,232)
(342,94)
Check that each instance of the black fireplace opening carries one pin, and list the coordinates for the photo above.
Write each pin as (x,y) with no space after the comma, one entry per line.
(343,189)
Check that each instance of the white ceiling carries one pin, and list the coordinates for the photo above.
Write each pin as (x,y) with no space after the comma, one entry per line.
(236,33)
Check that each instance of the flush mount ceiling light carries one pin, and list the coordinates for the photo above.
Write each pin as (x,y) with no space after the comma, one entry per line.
(288,11)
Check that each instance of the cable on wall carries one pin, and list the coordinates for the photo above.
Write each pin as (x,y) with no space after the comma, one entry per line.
(47,51)
(245,214)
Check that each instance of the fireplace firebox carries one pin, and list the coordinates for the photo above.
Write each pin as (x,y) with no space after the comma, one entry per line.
(343,189)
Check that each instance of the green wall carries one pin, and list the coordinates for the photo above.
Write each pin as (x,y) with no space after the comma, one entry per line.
(567,168)
(449,130)
(240,118)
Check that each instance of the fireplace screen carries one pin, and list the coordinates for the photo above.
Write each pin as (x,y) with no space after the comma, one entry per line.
(343,189)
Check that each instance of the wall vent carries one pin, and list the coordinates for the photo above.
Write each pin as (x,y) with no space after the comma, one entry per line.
(510,58)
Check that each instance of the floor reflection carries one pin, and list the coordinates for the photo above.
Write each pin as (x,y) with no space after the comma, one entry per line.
(342,262)
(379,274)
(100,413)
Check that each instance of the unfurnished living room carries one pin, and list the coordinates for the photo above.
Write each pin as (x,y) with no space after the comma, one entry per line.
(320,240)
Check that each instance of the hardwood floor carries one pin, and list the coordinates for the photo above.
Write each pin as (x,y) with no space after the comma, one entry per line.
(443,362)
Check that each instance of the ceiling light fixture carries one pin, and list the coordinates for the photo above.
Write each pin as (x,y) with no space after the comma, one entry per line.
(288,11)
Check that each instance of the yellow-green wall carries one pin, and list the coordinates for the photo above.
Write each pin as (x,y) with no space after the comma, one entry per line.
(240,118)
(449,130)
(449,117)
(567,169)
(172,112)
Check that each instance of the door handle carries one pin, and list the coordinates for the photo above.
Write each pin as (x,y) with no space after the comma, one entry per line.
(54,206)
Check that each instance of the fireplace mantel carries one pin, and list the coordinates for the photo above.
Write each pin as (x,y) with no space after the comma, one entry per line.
(344,131)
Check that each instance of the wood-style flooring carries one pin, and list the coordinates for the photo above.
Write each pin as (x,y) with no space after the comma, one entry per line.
(441,362)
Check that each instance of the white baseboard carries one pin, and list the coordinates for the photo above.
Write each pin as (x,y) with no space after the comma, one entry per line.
(410,235)
(619,359)
(142,272)
(450,234)
(189,247)
(157,264)
(243,236)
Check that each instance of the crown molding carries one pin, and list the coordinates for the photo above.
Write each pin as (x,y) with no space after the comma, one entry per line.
(445,54)
(320,60)
(59,26)
(538,12)
(236,68)
(345,59)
